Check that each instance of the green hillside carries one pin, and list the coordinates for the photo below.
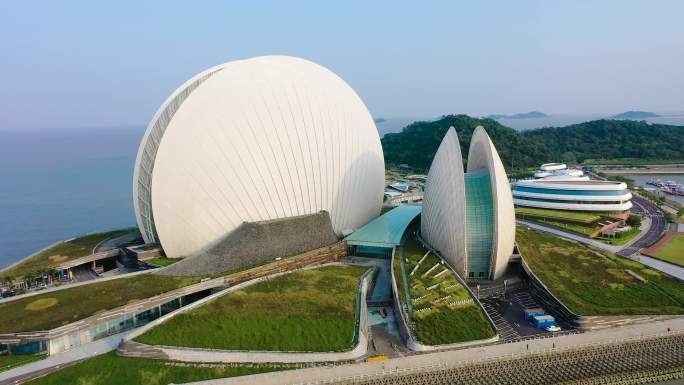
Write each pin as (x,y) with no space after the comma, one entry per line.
(600,139)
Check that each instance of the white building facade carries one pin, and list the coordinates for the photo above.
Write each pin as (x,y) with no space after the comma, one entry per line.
(573,194)
(251,140)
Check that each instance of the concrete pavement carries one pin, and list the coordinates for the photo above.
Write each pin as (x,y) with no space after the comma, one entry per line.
(575,237)
(668,268)
(456,357)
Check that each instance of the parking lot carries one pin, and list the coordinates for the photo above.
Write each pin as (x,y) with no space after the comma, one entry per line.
(508,316)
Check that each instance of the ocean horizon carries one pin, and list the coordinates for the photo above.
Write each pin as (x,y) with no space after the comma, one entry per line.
(62,183)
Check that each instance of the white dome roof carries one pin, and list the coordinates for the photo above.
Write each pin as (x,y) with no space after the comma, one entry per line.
(264,138)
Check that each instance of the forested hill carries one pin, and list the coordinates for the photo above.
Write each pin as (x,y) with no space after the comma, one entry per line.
(600,139)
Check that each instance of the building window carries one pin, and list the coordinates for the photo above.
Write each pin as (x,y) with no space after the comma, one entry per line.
(481,275)
(471,274)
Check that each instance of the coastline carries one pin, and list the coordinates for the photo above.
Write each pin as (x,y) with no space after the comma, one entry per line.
(651,169)
(8,267)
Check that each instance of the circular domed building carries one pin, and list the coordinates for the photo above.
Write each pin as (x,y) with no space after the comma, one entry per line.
(254,140)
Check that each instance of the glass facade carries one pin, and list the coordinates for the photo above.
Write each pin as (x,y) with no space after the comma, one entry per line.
(27,348)
(540,190)
(571,201)
(479,223)
(121,324)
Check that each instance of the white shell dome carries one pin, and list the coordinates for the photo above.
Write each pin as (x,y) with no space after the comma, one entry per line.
(258,139)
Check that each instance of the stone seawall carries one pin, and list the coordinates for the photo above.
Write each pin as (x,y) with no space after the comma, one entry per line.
(254,243)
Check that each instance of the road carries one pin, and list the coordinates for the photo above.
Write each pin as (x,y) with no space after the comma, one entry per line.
(565,234)
(658,226)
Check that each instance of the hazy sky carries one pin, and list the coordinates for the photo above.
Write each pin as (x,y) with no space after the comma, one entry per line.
(87,63)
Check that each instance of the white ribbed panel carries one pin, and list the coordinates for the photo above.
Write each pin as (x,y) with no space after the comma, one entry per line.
(482,155)
(443,217)
(574,198)
(144,162)
(264,138)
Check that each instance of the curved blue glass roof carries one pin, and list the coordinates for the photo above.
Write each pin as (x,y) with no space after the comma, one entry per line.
(387,229)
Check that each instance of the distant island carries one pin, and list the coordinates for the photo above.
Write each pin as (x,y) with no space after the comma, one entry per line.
(635,115)
(379,120)
(524,115)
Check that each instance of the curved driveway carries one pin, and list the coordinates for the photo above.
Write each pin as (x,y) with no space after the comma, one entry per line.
(658,226)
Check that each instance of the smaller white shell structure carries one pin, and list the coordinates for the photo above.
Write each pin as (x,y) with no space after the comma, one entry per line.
(252,140)
(469,217)
(482,155)
(443,218)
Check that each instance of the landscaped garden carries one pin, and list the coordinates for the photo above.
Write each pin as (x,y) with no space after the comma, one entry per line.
(62,252)
(590,282)
(672,251)
(574,221)
(162,261)
(110,369)
(308,310)
(620,238)
(53,309)
(440,308)
(564,215)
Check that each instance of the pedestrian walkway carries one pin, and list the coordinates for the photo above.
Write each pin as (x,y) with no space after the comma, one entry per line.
(505,329)
(585,240)
(668,268)
(568,235)
(57,361)
(464,357)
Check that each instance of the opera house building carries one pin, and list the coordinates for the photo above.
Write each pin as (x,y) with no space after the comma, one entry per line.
(254,142)
(468,216)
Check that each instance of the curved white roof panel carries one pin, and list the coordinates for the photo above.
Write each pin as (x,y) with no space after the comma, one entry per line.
(443,218)
(258,139)
(469,218)
(553,166)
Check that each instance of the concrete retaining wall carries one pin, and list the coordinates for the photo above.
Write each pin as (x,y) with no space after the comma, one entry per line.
(254,243)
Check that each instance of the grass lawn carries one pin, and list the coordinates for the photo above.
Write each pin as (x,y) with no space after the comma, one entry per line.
(673,251)
(586,230)
(162,261)
(623,237)
(595,283)
(110,369)
(62,252)
(572,216)
(9,362)
(434,293)
(308,310)
(50,310)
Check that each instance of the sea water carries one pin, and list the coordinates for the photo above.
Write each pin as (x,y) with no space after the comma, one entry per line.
(57,184)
